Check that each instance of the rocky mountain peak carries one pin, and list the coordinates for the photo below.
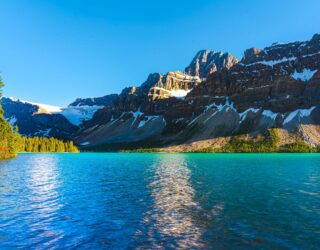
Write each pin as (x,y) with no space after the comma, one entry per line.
(316,37)
(97,101)
(251,55)
(129,91)
(151,81)
(207,62)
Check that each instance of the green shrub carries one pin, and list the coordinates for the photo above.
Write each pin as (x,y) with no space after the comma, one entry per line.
(140,150)
(297,147)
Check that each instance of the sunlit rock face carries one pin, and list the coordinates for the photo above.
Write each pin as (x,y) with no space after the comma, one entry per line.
(174,84)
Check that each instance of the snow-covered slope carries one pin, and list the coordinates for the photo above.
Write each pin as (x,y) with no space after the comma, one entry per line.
(74,114)
(78,114)
(43,108)
(35,119)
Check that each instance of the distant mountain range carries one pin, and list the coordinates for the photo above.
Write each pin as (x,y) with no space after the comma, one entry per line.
(34,119)
(215,97)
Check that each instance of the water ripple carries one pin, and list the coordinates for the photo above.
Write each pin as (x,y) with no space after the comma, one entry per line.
(160,201)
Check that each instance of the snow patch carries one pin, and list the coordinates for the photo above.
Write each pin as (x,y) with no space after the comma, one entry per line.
(43,133)
(147,119)
(77,114)
(91,128)
(178,93)
(179,75)
(314,54)
(300,113)
(84,143)
(136,115)
(179,120)
(45,107)
(270,114)
(227,106)
(244,114)
(12,120)
(305,75)
(273,62)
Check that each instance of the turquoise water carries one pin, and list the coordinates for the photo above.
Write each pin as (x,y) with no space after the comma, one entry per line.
(143,201)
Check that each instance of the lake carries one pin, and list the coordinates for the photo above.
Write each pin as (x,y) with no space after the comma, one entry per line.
(172,201)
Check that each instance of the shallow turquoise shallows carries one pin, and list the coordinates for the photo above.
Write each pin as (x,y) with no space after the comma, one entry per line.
(149,201)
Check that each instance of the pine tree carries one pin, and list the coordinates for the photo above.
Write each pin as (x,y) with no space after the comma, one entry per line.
(9,140)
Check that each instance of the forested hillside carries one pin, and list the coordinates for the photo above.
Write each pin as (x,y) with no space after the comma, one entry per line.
(11,142)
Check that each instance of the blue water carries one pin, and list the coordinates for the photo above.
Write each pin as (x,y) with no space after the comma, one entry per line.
(150,201)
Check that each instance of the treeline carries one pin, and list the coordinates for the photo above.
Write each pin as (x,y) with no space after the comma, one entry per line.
(43,144)
(12,143)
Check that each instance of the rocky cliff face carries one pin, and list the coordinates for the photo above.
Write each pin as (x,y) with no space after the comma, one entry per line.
(97,101)
(137,114)
(207,62)
(281,77)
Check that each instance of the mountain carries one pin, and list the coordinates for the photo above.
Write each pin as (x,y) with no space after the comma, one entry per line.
(275,87)
(82,110)
(98,101)
(214,99)
(35,119)
(281,77)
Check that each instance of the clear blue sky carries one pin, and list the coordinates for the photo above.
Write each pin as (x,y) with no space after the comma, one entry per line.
(53,51)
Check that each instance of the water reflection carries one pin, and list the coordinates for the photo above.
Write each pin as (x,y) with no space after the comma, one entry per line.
(171,220)
(160,201)
(43,182)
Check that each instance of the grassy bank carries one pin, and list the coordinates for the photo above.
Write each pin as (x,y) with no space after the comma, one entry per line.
(268,143)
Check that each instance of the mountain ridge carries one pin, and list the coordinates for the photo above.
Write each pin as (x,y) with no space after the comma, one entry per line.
(217,96)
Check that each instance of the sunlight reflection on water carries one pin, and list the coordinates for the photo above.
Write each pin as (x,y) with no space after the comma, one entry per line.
(171,217)
(42,183)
